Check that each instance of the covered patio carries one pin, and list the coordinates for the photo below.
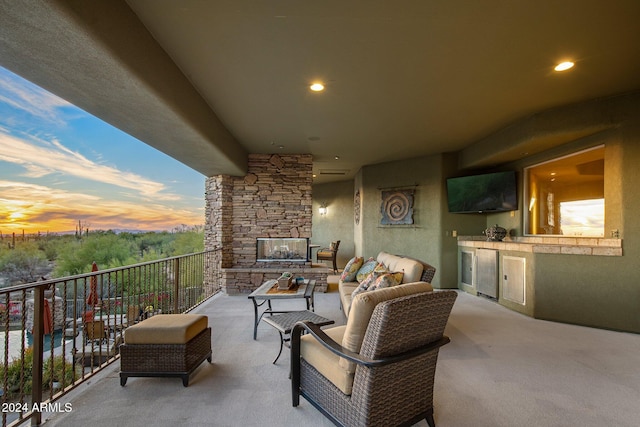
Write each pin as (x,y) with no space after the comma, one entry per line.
(500,369)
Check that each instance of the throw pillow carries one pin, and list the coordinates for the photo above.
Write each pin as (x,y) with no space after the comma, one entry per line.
(351,269)
(378,271)
(398,275)
(364,285)
(380,268)
(366,269)
(384,280)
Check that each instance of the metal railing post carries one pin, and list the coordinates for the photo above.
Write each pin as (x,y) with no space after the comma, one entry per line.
(38,340)
(176,285)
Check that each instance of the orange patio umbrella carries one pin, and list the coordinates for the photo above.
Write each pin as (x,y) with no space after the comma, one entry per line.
(92,299)
(48,320)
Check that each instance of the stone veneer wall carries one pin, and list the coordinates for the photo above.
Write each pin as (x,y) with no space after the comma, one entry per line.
(272,200)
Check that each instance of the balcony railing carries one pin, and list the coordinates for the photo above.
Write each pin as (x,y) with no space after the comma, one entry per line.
(54,334)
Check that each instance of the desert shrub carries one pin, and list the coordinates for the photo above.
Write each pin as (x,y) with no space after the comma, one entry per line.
(19,382)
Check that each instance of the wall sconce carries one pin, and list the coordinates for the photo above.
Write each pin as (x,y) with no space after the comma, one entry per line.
(322,209)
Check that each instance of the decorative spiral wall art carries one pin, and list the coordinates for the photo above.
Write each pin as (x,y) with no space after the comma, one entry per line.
(356,207)
(397,207)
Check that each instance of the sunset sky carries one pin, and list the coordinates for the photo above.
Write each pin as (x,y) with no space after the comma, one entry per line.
(59,164)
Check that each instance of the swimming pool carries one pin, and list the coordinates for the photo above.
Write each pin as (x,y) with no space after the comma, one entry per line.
(15,343)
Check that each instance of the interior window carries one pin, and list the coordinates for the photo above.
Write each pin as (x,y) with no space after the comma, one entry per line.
(565,196)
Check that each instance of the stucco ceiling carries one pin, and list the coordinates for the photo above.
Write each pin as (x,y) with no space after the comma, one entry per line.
(403,79)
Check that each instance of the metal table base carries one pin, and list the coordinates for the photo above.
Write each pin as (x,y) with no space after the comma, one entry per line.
(264,295)
(284,323)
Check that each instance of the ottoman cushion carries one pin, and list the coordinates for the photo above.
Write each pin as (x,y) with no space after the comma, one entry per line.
(166,329)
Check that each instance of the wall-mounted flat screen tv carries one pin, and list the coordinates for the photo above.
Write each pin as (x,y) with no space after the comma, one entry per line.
(491,192)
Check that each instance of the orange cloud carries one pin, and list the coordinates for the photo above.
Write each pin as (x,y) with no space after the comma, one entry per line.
(34,208)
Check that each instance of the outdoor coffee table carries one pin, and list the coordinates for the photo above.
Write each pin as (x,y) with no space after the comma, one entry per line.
(285,322)
(269,291)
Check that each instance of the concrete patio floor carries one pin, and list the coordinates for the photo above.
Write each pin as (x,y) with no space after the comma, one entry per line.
(500,369)
(241,387)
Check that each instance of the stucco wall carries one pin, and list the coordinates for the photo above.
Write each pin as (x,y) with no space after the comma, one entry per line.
(338,223)
(422,240)
(600,291)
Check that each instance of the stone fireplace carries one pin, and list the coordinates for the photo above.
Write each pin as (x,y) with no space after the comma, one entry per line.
(273,201)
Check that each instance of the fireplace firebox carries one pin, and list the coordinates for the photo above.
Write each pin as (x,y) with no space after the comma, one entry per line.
(270,249)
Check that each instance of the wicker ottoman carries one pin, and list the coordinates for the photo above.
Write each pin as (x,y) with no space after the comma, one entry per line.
(165,345)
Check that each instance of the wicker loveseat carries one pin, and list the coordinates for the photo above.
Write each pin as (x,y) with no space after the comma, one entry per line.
(413,271)
(381,374)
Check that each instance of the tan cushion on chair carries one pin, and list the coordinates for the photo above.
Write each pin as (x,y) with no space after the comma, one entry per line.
(166,329)
(325,361)
(362,307)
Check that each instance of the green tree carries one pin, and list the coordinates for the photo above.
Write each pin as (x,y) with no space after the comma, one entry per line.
(105,248)
(51,245)
(25,263)
(152,242)
(187,242)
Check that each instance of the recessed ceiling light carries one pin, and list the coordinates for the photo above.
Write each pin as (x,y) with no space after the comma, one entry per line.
(563,66)
(337,157)
(317,87)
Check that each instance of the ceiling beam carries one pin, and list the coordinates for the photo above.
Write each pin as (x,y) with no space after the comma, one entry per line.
(98,56)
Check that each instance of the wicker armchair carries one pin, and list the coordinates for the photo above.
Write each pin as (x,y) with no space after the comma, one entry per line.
(329,254)
(134,313)
(393,378)
(95,331)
